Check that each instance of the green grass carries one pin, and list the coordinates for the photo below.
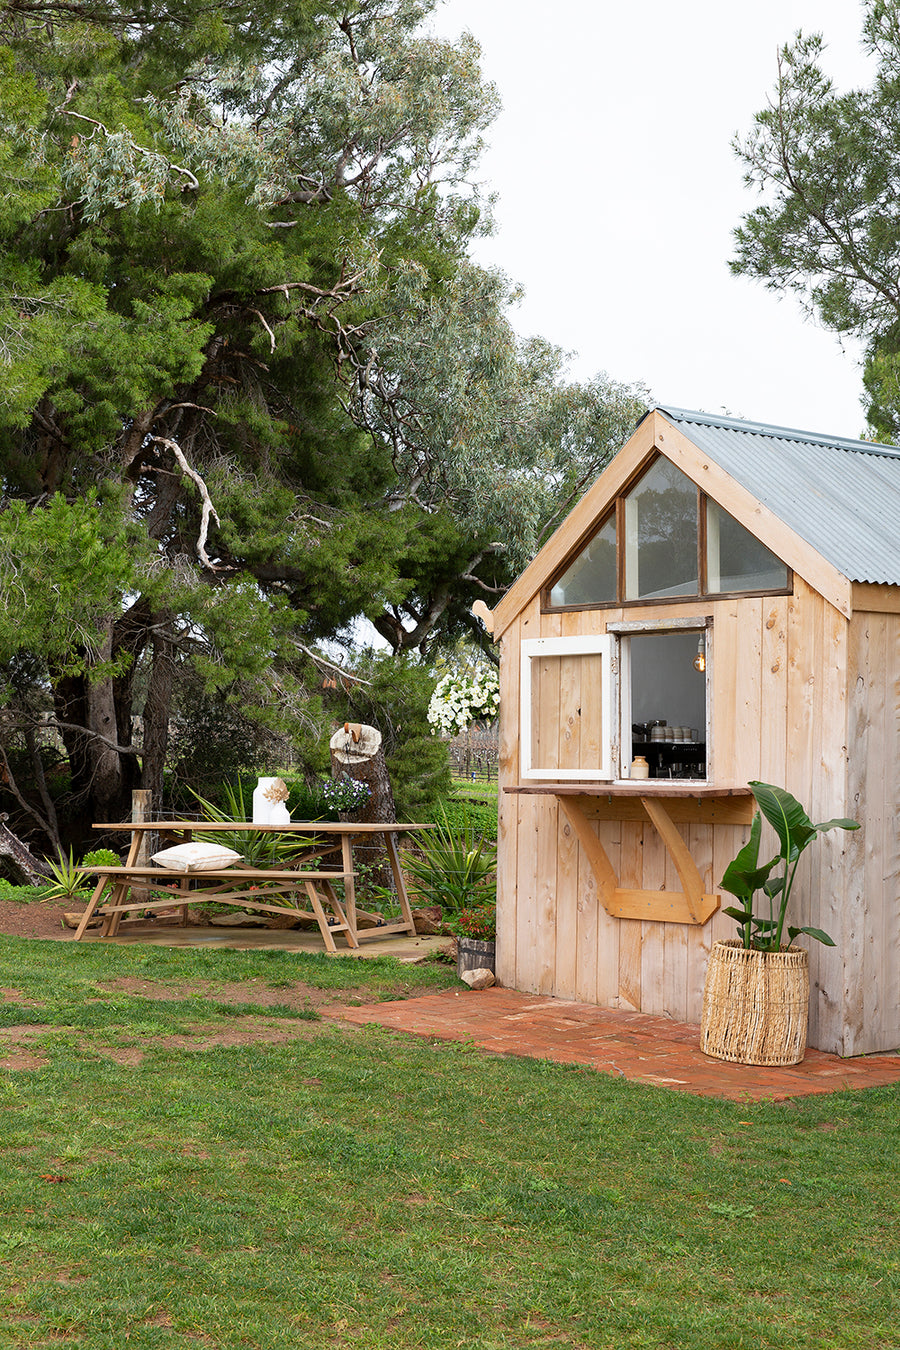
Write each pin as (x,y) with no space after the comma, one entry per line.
(473,804)
(369,1190)
(478,791)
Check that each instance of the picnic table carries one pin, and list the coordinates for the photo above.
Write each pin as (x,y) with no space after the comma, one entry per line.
(130,883)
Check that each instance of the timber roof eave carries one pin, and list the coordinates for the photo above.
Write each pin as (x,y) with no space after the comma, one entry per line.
(657,434)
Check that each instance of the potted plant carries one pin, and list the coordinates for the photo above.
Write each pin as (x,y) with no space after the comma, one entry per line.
(756,997)
(475,929)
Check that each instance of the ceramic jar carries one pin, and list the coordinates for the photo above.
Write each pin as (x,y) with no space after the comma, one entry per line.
(639,767)
(269,807)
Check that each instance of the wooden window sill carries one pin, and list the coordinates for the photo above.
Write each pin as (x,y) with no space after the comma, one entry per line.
(634,787)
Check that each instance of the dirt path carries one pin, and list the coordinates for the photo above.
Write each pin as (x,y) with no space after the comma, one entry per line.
(35,920)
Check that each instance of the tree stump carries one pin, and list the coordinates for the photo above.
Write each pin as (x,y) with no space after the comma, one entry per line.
(356,753)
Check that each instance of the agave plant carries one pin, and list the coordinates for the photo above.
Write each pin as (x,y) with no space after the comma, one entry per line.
(745,878)
(454,868)
(69,878)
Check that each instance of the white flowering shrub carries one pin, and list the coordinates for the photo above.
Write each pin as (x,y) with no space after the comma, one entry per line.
(461,699)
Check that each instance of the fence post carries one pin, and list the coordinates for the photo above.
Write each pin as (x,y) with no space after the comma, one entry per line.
(141,811)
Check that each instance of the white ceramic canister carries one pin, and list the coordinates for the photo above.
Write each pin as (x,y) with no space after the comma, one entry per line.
(262,805)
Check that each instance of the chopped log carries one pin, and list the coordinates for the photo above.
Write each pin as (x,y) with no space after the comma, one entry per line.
(18,858)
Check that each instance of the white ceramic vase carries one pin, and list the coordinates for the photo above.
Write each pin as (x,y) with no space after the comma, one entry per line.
(266,812)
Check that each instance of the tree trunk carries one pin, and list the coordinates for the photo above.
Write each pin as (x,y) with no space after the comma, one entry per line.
(157,709)
(101,776)
(356,753)
(96,724)
(108,778)
(19,859)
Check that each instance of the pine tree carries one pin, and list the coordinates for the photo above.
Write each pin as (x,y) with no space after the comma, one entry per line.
(253,386)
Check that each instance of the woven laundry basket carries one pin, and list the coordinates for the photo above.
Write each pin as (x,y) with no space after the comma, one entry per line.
(755,1005)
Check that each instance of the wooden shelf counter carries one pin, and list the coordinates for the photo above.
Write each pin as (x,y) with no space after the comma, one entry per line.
(665,803)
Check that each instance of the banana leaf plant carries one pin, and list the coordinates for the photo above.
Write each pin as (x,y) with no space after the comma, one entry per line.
(746,878)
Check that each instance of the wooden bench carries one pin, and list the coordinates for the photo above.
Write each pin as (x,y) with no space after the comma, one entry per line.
(245,887)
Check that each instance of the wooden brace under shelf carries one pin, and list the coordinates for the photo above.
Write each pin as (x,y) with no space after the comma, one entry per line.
(691,905)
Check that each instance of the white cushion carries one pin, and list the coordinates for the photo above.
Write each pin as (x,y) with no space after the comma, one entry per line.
(196,857)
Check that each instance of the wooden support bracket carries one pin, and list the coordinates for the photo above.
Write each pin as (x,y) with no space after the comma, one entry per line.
(691,905)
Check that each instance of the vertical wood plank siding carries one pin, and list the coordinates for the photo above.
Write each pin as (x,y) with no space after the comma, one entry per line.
(784,710)
(870,937)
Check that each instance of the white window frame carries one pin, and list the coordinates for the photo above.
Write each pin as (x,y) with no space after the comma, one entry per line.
(593,645)
(622,632)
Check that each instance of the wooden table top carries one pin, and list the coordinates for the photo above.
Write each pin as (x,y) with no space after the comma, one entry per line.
(245,826)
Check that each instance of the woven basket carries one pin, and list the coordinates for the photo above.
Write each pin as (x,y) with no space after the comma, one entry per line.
(755,1005)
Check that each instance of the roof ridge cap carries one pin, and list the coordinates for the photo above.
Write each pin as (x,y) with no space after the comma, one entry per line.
(778,432)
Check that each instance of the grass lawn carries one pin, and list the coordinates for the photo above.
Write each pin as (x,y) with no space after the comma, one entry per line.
(191,1159)
(473,804)
(477,791)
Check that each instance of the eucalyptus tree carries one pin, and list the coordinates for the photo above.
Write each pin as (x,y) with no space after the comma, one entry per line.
(253,385)
(827,165)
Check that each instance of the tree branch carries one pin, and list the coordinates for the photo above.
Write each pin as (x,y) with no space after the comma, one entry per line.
(208,508)
(329,665)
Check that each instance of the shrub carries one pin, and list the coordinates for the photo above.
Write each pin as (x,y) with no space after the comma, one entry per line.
(475,921)
(101,857)
(453,868)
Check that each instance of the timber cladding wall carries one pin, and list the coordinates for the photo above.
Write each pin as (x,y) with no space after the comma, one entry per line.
(870,937)
(778,712)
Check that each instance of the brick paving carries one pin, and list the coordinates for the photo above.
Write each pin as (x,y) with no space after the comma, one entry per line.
(633,1045)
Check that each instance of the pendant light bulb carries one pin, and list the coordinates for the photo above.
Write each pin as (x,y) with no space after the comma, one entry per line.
(700,658)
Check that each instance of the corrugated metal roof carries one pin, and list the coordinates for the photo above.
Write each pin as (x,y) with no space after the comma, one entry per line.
(840,496)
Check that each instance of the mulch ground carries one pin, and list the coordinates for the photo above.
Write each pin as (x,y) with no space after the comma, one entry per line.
(34,920)
(40,920)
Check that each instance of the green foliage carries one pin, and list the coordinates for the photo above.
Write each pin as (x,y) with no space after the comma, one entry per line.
(453,868)
(395,700)
(257,849)
(63,568)
(100,857)
(828,165)
(307,800)
(214,741)
(69,878)
(744,876)
(254,387)
(479,816)
(24,895)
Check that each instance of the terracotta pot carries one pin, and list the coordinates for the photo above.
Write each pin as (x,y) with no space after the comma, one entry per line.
(755,1005)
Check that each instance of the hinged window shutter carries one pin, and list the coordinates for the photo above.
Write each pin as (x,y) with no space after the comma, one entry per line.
(567,705)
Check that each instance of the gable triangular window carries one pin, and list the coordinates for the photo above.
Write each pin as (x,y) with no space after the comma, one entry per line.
(663,539)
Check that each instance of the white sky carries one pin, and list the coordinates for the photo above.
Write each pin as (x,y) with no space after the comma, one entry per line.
(619,190)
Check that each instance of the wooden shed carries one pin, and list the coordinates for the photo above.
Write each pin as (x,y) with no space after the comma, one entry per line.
(724,602)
